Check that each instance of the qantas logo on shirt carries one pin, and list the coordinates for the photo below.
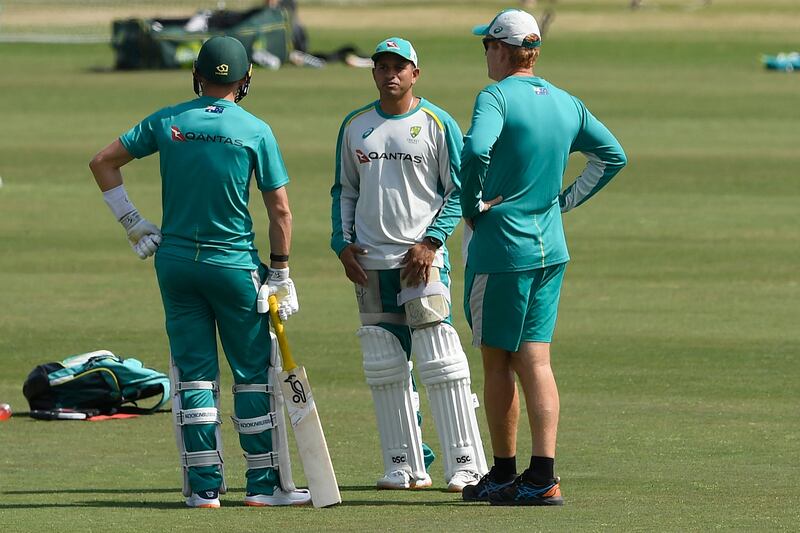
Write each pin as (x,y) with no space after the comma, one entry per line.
(179,136)
(395,156)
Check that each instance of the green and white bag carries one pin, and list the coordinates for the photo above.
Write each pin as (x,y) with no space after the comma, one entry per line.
(95,383)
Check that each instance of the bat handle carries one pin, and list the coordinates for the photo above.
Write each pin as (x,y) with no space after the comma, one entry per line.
(283,342)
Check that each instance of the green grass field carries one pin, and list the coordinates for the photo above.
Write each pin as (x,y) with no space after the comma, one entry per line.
(677,346)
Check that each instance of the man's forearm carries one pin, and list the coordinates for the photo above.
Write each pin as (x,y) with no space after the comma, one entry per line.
(280,226)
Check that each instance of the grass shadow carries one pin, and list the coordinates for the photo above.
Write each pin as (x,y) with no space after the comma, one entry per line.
(90,491)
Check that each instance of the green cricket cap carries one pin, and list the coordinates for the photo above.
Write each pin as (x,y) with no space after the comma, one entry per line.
(222,59)
(398,46)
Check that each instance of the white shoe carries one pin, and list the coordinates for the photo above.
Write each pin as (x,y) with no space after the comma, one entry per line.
(279,497)
(401,480)
(461,479)
(206,499)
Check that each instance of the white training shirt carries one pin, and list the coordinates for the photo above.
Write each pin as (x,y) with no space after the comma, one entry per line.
(397,181)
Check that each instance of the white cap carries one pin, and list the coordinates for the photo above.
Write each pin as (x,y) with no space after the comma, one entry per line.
(512,26)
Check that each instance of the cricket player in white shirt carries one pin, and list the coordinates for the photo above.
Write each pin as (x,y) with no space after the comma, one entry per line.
(395,202)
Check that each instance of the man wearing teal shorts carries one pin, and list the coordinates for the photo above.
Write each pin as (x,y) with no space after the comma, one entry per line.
(514,157)
(209,271)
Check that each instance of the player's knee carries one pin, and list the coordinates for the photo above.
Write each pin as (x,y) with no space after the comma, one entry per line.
(439,354)
(384,358)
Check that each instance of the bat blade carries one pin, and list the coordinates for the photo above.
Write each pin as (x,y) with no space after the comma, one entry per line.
(311,444)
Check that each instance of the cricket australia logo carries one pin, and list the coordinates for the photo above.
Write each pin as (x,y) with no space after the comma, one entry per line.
(299,391)
(414,131)
(177,135)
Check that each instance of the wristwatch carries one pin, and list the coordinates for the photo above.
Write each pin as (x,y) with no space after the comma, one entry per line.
(434,241)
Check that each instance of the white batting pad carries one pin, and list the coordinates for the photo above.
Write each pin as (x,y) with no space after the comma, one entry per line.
(444,371)
(387,373)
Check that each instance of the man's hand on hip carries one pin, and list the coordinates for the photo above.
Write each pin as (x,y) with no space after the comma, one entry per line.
(352,268)
(418,261)
(482,208)
(147,245)
(143,236)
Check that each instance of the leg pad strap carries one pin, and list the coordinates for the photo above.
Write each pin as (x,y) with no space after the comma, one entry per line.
(202,415)
(261,460)
(251,426)
(204,458)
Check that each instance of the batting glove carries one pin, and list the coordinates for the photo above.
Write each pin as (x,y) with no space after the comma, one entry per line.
(281,285)
(143,235)
(147,245)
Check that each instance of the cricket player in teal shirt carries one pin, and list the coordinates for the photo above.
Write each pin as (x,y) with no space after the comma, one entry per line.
(515,154)
(209,271)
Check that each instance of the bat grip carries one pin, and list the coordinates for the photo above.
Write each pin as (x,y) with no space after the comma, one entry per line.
(283,342)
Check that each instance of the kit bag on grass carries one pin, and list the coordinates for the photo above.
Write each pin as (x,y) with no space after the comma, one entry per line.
(97,382)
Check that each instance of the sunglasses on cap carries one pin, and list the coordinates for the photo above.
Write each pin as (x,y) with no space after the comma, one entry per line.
(486,41)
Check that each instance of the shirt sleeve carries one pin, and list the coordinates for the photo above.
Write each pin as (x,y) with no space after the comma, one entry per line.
(140,141)
(605,159)
(487,124)
(344,194)
(449,153)
(270,171)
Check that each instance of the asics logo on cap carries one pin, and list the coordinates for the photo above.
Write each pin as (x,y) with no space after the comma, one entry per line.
(391,44)
(497,29)
(222,70)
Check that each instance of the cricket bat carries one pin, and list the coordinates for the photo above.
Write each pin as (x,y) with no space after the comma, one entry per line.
(305,422)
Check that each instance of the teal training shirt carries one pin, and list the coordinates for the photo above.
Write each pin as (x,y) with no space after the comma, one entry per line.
(209,150)
(523,130)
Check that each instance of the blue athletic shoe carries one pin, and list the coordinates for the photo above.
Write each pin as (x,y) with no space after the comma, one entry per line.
(481,491)
(523,492)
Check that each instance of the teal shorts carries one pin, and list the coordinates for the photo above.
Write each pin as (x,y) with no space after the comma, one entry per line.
(507,308)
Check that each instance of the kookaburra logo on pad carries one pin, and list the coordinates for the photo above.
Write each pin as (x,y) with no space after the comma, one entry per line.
(299,395)
(222,69)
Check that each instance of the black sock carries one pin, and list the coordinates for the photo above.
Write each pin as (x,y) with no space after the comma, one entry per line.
(505,468)
(540,471)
